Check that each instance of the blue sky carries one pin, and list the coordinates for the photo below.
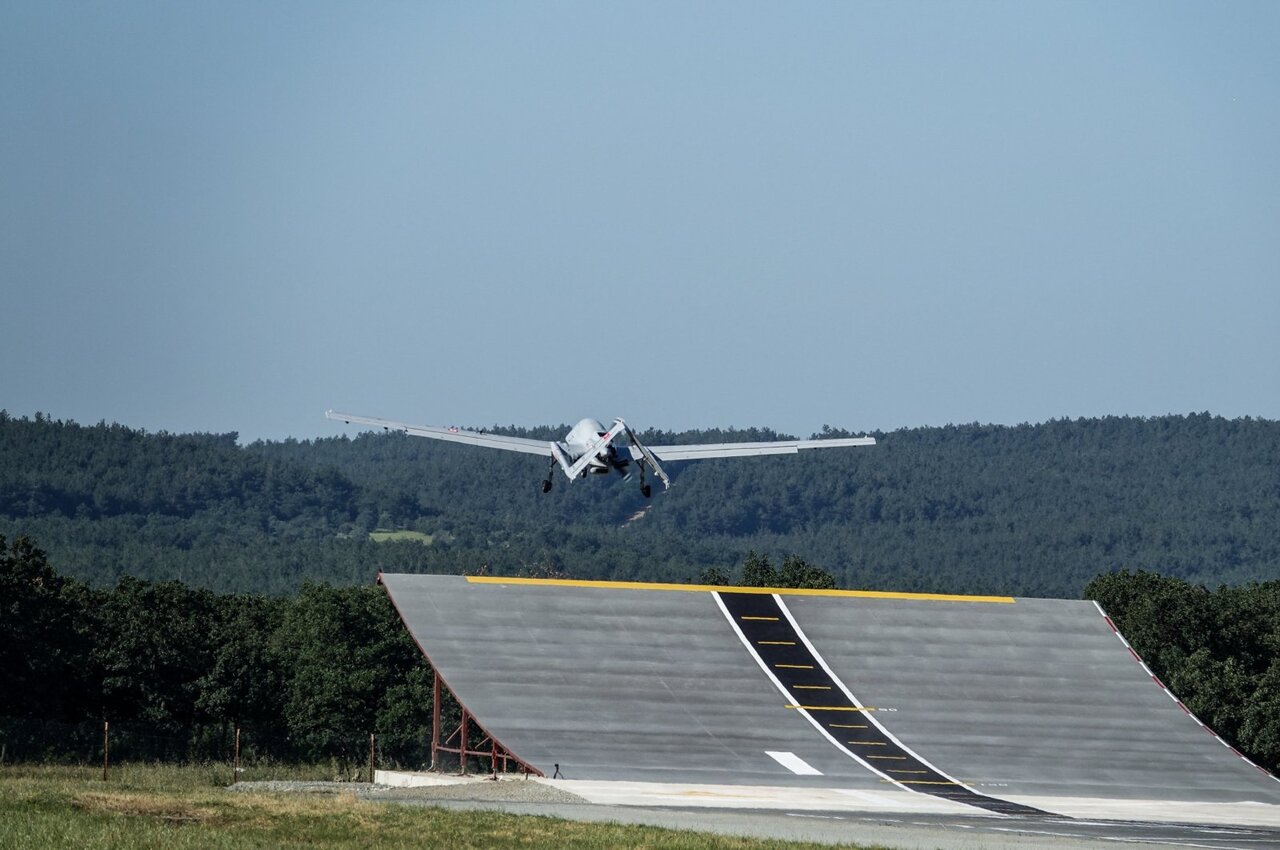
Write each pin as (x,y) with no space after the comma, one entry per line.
(232,216)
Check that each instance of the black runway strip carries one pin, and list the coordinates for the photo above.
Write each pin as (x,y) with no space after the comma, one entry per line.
(811,689)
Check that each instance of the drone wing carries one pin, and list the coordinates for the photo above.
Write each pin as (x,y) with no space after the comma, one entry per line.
(453,435)
(780,447)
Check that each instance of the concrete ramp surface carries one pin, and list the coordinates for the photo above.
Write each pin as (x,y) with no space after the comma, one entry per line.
(991,703)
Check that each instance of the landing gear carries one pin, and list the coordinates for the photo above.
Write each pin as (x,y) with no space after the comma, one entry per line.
(546,482)
(546,485)
(645,461)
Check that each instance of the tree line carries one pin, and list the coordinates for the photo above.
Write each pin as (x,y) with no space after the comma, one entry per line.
(1218,650)
(309,676)
(1033,510)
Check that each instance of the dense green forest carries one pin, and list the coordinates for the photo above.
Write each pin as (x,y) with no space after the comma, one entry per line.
(175,669)
(1218,650)
(1025,510)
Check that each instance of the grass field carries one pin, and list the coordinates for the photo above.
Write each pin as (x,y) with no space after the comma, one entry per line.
(166,807)
(383,535)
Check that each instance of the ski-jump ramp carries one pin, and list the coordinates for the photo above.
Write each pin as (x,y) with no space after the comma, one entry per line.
(989,704)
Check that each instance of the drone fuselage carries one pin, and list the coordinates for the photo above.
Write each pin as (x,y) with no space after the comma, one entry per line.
(583,437)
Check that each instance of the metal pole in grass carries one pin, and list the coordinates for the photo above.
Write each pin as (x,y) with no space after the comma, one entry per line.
(235,764)
(370,758)
(106,746)
(462,746)
(435,719)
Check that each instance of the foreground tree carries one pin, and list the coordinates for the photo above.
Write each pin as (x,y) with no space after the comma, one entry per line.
(795,572)
(1219,651)
(352,669)
(42,642)
(155,644)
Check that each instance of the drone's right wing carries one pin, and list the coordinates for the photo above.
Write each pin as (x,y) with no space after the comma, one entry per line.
(453,435)
(780,447)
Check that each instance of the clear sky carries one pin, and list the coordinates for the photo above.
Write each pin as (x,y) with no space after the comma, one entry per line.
(222,216)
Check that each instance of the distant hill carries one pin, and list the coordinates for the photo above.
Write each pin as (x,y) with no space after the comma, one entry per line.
(1030,510)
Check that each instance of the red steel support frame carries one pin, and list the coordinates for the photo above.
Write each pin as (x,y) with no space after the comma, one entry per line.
(494,751)
(488,747)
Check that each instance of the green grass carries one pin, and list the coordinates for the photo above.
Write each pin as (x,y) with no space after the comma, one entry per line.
(167,807)
(383,535)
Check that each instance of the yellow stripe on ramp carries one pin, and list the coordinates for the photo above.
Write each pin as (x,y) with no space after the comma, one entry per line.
(706,588)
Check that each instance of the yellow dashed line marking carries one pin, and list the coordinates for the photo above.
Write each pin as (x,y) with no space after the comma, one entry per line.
(919,782)
(769,619)
(869,743)
(847,725)
(795,666)
(776,643)
(889,758)
(811,687)
(907,771)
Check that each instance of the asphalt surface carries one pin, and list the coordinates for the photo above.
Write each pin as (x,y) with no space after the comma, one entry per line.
(837,827)
(909,832)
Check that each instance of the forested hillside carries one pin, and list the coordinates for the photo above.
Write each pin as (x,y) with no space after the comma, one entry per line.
(1028,510)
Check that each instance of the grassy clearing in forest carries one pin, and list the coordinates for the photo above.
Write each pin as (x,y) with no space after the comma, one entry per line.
(168,807)
(383,535)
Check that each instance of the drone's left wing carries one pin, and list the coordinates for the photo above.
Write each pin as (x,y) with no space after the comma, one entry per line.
(453,435)
(780,447)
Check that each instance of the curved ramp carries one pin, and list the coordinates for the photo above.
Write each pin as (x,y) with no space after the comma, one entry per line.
(991,702)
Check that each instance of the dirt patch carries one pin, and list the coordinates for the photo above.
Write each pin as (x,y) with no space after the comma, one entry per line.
(505,790)
(141,806)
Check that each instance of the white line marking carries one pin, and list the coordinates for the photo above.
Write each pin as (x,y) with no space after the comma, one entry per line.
(867,714)
(793,763)
(816,817)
